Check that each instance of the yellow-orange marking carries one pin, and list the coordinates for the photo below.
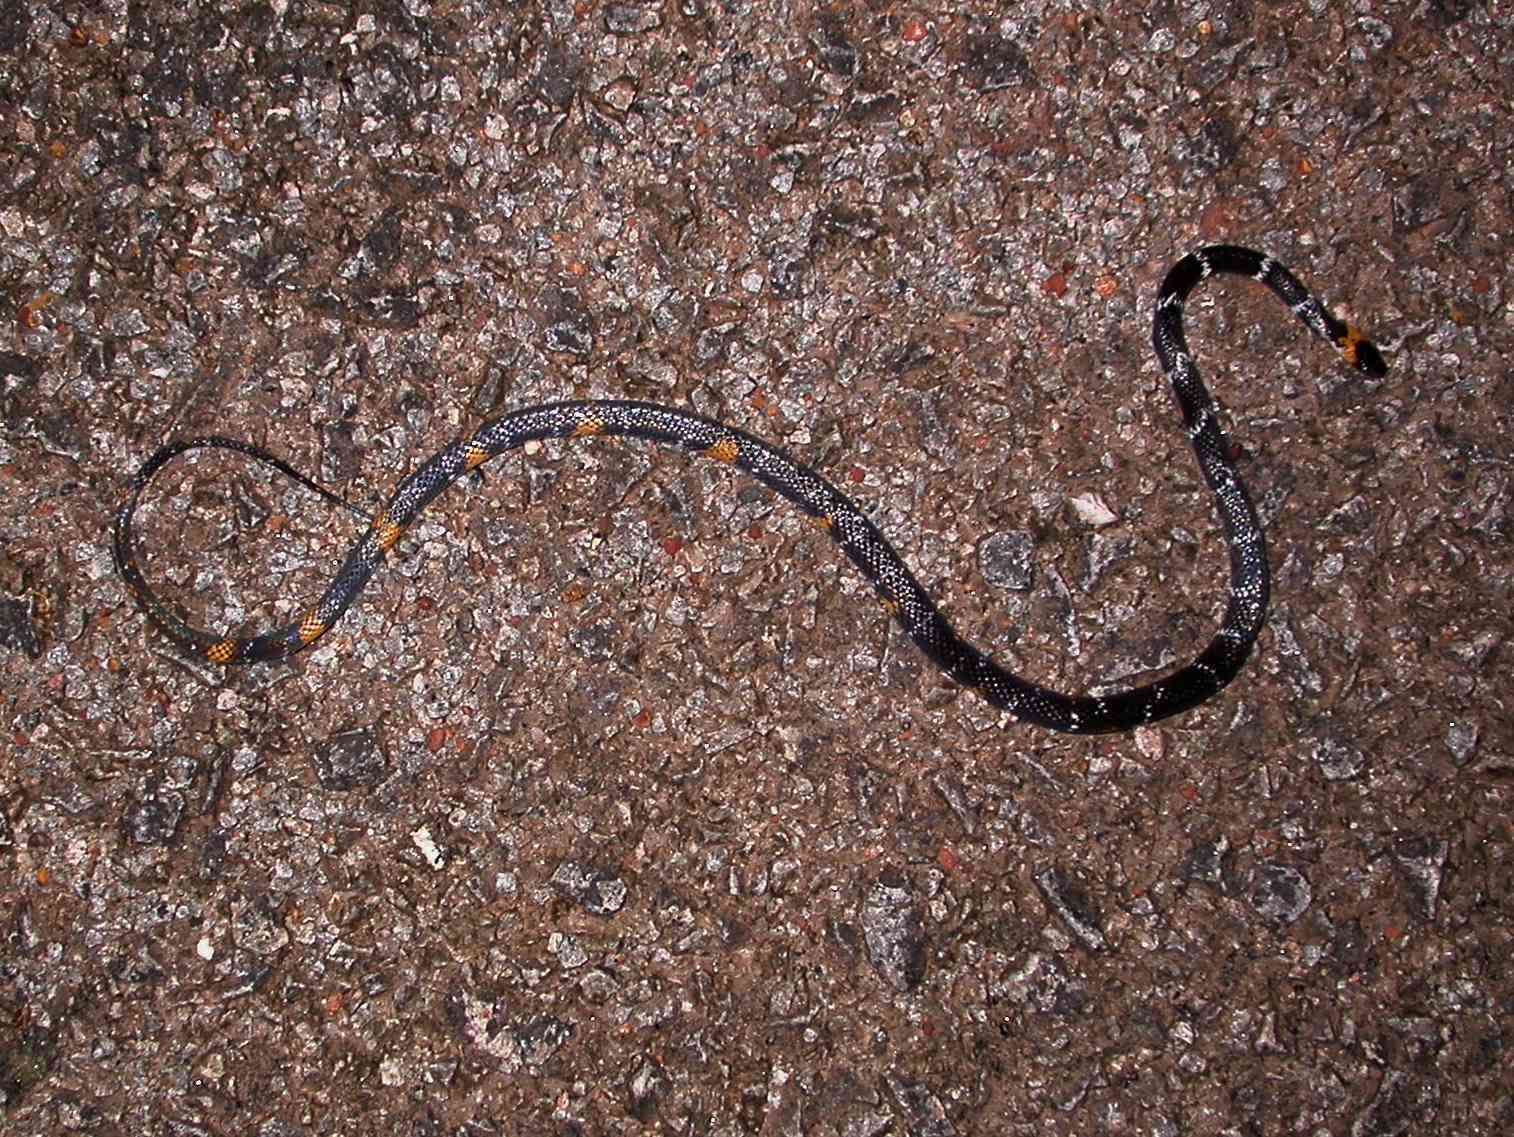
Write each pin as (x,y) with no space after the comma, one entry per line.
(474,456)
(725,451)
(822,523)
(311,629)
(891,606)
(588,428)
(223,652)
(1352,340)
(385,532)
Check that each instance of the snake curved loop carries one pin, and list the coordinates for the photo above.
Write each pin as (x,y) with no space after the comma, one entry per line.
(858,537)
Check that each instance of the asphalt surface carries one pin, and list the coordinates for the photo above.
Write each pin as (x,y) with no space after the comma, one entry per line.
(617,805)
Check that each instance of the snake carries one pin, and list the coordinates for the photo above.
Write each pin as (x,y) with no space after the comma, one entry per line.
(903,597)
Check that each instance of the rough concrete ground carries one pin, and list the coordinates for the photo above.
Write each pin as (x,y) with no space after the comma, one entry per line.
(617,806)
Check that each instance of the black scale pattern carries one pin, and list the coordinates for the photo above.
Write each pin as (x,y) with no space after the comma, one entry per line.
(858,537)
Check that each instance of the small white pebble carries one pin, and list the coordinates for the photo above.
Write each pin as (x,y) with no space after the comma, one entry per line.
(1091,509)
(428,847)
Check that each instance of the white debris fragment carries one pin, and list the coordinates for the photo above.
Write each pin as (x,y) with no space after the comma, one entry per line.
(1091,509)
(428,847)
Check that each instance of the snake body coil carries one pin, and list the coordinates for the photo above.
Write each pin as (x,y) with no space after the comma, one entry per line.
(858,537)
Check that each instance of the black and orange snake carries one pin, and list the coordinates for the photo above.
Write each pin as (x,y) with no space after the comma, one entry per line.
(833,511)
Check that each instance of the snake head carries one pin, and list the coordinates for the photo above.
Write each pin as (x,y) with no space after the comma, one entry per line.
(1362,354)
